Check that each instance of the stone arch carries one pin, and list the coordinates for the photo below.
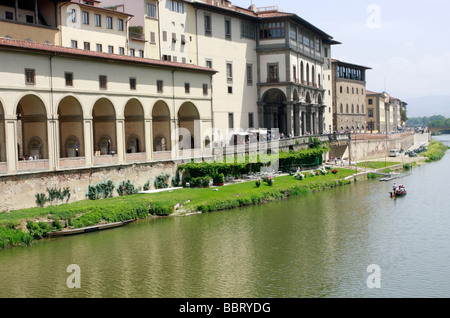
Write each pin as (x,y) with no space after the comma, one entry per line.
(161,131)
(70,115)
(104,122)
(308,99)
(187,115)
(295,96)
(134,126)
(31,123)
(274,101)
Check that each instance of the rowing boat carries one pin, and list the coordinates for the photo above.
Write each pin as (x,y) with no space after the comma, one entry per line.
(90,228)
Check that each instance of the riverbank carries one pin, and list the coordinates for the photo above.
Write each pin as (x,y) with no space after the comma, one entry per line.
(22,227)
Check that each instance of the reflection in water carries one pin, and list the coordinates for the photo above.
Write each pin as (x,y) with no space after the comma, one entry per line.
(316,246)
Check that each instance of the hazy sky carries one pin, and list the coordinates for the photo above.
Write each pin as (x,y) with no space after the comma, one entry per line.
(406,43)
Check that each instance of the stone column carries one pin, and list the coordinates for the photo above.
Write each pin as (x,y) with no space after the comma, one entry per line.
(53,143)
(11,144)
(88,141)
(289,119)
(148,133)
(120,136)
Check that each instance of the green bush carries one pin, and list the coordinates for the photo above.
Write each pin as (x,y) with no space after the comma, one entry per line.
(162,181)
(126,188)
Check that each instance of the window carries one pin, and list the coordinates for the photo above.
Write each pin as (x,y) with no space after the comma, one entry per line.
(87,46)
(230,89)
(249,74)
(325,52)
(109,23)
(183,60)
(98,20)
(99,48)
(248,30)
(346,109)
(362,109)
(208,63)
(294,73)
(110,49)
(272,30)
(229,72)
(293,33)
(120,24)
(227,29)
(174,37)
(341,89)
(370,114)
(164,36)
(121,50)
(205,89)
(357,109)
(30,76)
(152,37)
(9,15)
(151,10)
(176,6)
(132,83)
(85,17)
(353,109)
(103,81)
(187,88)
(29,19)
(73,15)
(370,101)
(208,30)
(69,79)
(342,109)
(250,120)
(132,52)
(159,86)
(183,39)
(73,44)
(230,120)
(272,73)
(141,53)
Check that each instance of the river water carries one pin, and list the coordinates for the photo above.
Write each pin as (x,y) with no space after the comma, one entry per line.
(320,245)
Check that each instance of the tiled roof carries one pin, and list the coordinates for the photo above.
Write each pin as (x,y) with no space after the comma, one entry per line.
(372,93)
(60,50)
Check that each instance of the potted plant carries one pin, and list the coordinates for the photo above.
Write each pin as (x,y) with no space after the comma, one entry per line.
(218,179)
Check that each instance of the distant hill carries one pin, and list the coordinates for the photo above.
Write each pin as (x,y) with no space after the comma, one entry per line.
(428,106)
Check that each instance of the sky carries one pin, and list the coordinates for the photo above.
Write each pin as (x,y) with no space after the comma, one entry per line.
(406,43)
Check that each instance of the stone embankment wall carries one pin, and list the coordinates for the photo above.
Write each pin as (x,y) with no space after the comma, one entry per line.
(19,191)
(372,146)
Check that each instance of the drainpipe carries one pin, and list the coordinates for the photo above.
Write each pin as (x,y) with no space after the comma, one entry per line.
(53,129)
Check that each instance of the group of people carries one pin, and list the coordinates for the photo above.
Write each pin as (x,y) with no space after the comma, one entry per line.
(399,188)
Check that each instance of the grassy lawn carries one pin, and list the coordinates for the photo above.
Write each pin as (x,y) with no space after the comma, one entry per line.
(13,229)
(436,151)
(376,164)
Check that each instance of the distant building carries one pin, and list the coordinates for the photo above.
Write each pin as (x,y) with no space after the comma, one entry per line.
(349,97)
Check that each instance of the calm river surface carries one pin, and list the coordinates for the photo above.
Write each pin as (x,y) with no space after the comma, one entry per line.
(316,246)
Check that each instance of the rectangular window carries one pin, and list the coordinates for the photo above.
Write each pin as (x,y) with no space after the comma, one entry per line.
(73,15)
(110,49)
(141,53)
(9,15)
(183,39)
(29,19)
(159,86)
(230,120)
(229,72)
(175,59)
(120,24)
(151,10)
(132,52)
(273,73)
(183,60)
(99,48)
(174,37)
(98,20)
(87,46)
(85,17)
(69,79)
(73,44)
(272,30)
(208,63)
(152,37)
(187,88)
(109,23)
(208,30)
(30,76)
(325,51)
(205,89)
(250,120)
(230,89)
(248,30)
(370,101)
(132,83)
(370,112)
(176,6)
(103,81)
(164,36)
(121,50)
(227,29)
(249,74)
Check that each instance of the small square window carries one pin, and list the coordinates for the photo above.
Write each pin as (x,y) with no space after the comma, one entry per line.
(132,83)
(103,81)
(30,76)
(69,79)
(9,15)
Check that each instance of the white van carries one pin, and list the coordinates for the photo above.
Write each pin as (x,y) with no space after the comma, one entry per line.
(394,153)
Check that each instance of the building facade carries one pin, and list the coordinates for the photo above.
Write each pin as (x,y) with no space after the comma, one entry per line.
(349,104)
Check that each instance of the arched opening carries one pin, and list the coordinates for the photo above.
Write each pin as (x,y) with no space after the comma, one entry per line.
(104,121)
(161,127)
(70,115)
(32,128)
(302,72)
(313,76)
(307,74)
(2,135)
(275,110)
(187,116)
(134,127)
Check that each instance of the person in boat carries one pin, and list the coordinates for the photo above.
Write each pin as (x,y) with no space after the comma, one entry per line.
(394,187)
